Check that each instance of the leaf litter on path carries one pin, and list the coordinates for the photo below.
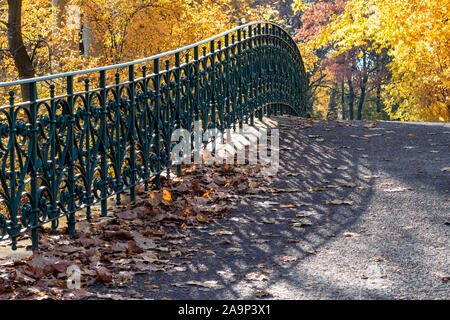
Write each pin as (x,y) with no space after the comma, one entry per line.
(136,237)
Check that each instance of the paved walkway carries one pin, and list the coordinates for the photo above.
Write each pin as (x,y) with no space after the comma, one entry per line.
(365,215)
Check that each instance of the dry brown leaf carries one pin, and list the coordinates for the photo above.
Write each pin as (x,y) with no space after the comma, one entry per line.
(256,276)
(397,189)
(287,258)
(262,293)
(103,274)
(338,202)
(212,284)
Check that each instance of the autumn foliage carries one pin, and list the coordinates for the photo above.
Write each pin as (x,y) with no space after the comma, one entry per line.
(366,59)
(404,46)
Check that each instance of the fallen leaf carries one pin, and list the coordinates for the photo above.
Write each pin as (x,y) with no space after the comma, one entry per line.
(288,206)
(256,276)
(338,202)
(153,199)
(351,234)
(103,275)
(166,195)
(41,266)
(22,278)
(213,284)
(119,235)
(262,293)
(379,259)
(133,248)
(126,215)
(317,189)
(191,213)
(61,266)
(119,246)
(287,258)
(398,189)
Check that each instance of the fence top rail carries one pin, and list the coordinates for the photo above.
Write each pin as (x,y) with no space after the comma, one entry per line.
(127,64)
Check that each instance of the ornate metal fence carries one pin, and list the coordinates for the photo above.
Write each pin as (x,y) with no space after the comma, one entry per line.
(88,135)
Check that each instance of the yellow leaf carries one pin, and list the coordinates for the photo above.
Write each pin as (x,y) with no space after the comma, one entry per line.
(167,196)
(317,188)
(288,206)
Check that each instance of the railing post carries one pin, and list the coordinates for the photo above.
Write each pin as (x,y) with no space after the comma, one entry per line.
(87,121)
(70,146)
(146,142)
(52,162)
(245,84)
(260,75)
(226,93)
(177,99)
(212,103)
(14,204)
(252,81)
(132,132)
(235,80)
(239,85)
(34,167)
(196,84)
(103,144)
(157,117)
(118,155)
(186,108)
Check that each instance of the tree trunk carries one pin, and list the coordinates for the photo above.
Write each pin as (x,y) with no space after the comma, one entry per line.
(332,110)
(379,98)
(362,86)
(61,6)
(91,47)
(17,48)
(361,102)
(351,97)
(343,99)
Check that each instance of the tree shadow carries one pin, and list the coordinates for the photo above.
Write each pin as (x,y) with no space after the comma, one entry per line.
(278,235)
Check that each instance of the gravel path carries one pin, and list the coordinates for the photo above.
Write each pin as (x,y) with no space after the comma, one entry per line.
(389,239)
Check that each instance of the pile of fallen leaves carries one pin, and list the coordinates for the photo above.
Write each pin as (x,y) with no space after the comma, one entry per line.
(136,237)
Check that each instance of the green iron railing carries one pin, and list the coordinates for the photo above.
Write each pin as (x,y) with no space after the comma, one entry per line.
(73,144)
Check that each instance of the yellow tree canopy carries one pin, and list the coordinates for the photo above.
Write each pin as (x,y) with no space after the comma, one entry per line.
(417,33)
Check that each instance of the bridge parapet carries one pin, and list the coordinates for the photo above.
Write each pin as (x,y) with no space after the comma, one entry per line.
(88,135)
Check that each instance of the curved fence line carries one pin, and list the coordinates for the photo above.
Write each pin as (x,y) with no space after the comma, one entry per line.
(88,135)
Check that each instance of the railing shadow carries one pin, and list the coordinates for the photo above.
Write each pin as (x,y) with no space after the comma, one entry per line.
(317,166)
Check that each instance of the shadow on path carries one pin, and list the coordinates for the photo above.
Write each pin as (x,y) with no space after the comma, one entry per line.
(388,240)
